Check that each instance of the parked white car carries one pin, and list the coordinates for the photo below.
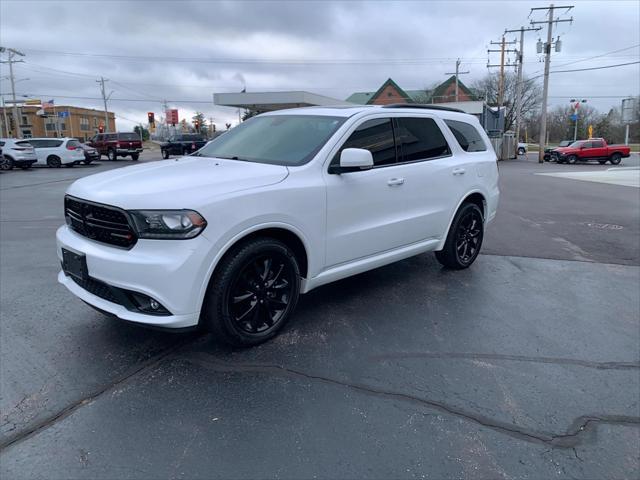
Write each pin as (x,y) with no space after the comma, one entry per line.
(227,238)
(55,152)
(16,153)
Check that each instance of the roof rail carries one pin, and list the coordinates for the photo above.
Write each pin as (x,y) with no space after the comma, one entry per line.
(422,105)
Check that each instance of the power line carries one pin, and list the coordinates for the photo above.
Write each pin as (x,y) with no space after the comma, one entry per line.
(596,68)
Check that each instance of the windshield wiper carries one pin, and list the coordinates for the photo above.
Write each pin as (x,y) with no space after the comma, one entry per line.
(235,157)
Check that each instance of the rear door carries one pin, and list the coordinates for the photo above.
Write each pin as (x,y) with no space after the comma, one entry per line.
(598,150)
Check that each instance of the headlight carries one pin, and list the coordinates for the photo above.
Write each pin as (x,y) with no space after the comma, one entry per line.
(168,224)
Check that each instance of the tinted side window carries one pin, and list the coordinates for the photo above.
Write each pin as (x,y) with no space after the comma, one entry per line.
(467,136)
(111,136)
(598,144)
(37,143)
(375,136)
(420,139)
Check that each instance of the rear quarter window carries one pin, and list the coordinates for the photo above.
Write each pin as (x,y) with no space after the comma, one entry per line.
(467,136)
(128,136)
(420,139)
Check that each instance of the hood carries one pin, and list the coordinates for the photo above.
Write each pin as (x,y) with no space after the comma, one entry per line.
(185,182)
(564,149)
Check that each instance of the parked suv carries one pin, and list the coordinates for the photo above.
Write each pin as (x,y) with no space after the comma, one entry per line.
(227,238)
(184,144)
(114,145)
(55,152)
(16,153)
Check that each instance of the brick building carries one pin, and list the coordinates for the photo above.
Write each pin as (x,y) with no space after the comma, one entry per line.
(78,122)
(390,92)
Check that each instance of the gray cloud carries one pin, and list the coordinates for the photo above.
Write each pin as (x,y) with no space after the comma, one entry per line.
(438,32)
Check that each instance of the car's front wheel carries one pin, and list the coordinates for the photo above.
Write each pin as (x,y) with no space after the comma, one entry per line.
(111,155)
(135,156)
(165,154)
(521,151)
(253,292)
(572,159)
(464,239)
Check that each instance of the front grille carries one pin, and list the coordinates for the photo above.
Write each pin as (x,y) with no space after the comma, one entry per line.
(102,223)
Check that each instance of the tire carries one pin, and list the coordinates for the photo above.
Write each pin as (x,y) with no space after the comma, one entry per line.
(458,252)
(53,161)
(135,156)
(111,155)
(6,163)
(185,152)
(87,162)
(521,151)
(571,159)
(615,159)
(602,162)
(252,293)
(165,154)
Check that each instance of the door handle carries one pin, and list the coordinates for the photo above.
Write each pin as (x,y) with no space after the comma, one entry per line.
(392,182)
(458,171)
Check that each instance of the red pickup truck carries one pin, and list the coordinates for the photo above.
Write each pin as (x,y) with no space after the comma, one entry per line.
(592,149)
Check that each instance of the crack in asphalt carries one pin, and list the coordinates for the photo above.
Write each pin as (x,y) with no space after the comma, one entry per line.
(570,439)
(45,423)
(512,358)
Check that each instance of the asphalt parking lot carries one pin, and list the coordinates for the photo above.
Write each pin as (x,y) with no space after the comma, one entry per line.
(527,365)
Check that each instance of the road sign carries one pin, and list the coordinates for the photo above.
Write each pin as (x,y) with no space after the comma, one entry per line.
(629,110)
(63,114)
(573,117)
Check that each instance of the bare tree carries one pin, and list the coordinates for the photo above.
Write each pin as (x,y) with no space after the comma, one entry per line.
(487,89)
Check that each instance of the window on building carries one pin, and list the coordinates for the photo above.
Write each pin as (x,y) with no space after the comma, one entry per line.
(420,139)
(375,136)
(25,120)
(467,136)
(95,122)
(84,124)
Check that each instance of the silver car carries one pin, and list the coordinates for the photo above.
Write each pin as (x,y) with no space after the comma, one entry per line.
(16,153)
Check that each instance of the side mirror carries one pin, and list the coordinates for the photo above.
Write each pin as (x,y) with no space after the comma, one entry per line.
(356,158)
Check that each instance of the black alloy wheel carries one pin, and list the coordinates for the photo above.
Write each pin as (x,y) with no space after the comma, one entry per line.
(571,159)
(253,293)
(261,292)
(111,155)
(165,154)
(5,163)
(464,239)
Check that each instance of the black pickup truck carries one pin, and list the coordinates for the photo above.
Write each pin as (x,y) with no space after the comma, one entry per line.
(182,144)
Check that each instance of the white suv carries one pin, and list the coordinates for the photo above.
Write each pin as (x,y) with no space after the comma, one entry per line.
(227,238)
(55,152)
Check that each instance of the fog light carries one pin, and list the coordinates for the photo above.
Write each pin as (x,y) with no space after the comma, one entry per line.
(147,304)
(153,304)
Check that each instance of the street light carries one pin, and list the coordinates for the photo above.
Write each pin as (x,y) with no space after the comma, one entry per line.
(576,105)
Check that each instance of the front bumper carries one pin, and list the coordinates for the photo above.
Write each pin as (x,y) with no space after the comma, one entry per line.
(172,272)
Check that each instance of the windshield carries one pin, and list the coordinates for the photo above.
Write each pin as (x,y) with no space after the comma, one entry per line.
(577,144)
(565,143)
(190,138)
(289,140)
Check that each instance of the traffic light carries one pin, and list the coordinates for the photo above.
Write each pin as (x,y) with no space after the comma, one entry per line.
(151,118)
(101,128)
(196,123)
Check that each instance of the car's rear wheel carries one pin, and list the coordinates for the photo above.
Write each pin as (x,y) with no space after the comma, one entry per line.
(6,163)
(521,151)
(165,154)
(54,161)
(464,239)
(572,159)
(253,292)
(111,155)
(135,156)
(615,159)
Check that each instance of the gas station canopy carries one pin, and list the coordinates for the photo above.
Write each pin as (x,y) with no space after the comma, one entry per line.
(261,102)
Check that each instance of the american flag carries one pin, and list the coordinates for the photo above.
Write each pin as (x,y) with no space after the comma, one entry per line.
(48,104)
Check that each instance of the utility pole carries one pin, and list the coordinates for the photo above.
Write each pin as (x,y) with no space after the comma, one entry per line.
(4,113)
(12,53)
(105,97)
(502,51)
(457,72)
(519,85)
(547,62)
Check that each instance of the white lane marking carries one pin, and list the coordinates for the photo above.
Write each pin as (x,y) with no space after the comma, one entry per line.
(626,177)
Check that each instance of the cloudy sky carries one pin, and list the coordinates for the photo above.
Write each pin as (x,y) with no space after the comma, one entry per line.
(184,51)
